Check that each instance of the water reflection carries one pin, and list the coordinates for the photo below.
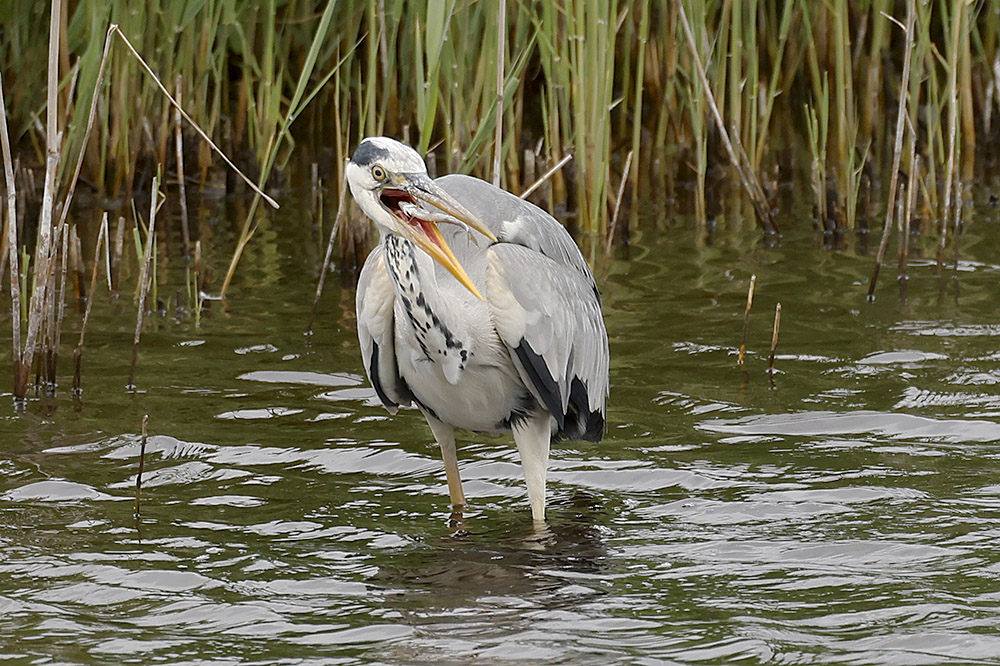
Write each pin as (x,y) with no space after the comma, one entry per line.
(846,515)
(515,558)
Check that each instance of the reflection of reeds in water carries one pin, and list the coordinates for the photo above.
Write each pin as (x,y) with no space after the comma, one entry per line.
(142,464)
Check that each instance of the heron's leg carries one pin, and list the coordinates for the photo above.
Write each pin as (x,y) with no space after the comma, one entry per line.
(532,438)
(445,436)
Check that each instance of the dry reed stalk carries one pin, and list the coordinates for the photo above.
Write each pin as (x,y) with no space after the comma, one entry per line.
(912,186)
(142,63)
(746,321)
(199,283)
(774,340)
(142,463)
(341,210)
(102,235)
(3,244)
(181,187)
(144,279)
(738,158)
(11,239)
(903,226)
(613,225)
(43,251)
(901,115)
(546,176)
(46,334)
(498,122)
(958,6)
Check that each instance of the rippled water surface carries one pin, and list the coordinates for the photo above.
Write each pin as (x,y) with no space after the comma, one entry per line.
(848,513)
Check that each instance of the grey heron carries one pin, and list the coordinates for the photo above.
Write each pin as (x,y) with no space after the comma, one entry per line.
(490,322)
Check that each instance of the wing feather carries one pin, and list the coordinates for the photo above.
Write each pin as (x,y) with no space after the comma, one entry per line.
(374,305)
(548,315)
(545,306)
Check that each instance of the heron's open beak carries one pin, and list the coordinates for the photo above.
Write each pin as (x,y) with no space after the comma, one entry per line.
(427,235)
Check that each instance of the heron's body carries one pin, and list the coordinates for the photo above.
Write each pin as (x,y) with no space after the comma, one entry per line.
(529,357)
(443,337)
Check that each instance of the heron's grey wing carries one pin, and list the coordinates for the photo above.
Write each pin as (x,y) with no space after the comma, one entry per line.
(514,220)
(549,316)
(374,305)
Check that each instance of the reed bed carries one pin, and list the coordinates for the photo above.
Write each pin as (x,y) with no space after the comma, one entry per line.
(595,78)
(596,94)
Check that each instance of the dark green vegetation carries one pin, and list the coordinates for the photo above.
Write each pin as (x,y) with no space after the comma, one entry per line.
(595,79)
(654,102)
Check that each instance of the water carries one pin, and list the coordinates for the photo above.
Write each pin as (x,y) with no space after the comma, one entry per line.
(846,514)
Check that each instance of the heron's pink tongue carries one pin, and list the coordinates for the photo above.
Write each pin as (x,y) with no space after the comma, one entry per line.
(429,230)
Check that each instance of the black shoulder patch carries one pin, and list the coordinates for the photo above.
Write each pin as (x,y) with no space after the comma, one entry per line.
(540,377)
(368,153)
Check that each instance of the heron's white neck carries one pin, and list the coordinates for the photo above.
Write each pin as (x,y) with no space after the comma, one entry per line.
(428,308)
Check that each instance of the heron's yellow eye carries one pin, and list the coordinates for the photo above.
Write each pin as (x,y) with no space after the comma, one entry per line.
(378,173)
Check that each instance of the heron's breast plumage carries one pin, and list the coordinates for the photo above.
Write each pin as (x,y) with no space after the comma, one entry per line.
(438,349)
(433,335)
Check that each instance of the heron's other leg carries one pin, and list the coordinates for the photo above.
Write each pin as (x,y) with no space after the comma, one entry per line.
(532,438)
(444,434)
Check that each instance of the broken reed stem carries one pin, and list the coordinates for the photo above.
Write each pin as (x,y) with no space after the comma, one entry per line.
(341,210)
(102,235)
(774,339)
(548,174)
(142,463)
(904,88)
(181,188)
(748,177)
(498,125)
(618,201)
(43,251)
(746,320)
(144,279)
(11,248)
(114,28)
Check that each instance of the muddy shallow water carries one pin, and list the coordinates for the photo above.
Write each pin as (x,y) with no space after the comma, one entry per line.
(847,513)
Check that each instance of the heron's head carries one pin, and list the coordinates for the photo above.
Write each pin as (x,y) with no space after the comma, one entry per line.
(389,181)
